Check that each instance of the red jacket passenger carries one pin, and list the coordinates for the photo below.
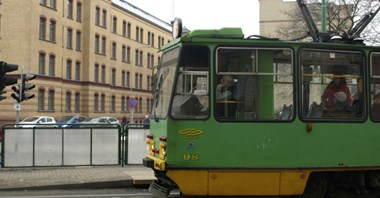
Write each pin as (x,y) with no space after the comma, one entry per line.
(336,92)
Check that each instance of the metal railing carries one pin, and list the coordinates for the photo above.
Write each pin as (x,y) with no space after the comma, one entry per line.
(87,145)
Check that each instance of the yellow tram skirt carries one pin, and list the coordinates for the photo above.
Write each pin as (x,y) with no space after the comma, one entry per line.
(239,182)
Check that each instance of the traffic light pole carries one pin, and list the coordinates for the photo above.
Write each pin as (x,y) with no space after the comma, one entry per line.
(18,105)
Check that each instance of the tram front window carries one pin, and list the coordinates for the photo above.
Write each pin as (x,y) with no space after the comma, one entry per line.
(191,98)
(165,81)
(332,84)
(253,84)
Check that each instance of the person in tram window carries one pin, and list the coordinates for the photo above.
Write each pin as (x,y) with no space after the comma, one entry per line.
(376,107)
(337,97)
(224,90)
(225,103)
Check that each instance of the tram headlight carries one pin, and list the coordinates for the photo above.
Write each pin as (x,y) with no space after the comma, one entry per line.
(150,146)
(163,150)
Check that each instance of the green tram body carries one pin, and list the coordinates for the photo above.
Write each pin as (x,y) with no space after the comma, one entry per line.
(266,152)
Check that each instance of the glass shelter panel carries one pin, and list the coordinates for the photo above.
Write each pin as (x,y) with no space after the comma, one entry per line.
(332,84)
(254,84)
(191,99)
(375,86)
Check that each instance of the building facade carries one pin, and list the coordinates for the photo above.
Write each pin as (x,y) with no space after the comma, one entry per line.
(89,57)
(273,15)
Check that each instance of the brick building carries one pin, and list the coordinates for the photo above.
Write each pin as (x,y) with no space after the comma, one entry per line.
(89,57)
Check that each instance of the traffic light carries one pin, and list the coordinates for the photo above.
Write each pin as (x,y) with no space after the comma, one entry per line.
(16,94)
(4,79)
(27,86)
(20,90)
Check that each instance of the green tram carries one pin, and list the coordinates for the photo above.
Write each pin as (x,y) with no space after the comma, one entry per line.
(273,133)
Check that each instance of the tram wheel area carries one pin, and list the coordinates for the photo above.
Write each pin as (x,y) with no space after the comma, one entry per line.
(345,184)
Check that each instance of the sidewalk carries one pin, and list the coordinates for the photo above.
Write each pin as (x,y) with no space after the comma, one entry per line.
(74,177)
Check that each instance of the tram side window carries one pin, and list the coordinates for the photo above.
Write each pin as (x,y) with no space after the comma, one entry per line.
(375,86)
(332,84)
(191,99)
(253,84)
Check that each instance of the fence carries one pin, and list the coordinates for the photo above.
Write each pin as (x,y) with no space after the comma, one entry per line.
(86,145)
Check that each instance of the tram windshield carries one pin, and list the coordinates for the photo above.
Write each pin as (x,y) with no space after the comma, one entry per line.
(164,84)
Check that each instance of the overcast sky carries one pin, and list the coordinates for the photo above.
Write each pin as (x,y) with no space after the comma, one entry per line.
(206,14)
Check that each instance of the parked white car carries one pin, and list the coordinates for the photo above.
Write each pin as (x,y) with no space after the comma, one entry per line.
(37,121)
(102,121)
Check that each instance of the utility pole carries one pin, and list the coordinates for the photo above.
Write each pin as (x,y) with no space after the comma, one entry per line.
(323,18)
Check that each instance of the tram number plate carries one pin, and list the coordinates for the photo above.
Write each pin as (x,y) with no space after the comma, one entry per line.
(191,157)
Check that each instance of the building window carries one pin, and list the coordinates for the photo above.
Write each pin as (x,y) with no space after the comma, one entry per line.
(113,51)
(41,100)
(42,28)
(141,58)
(128,54)
(148,105)
(43,2)
(123,54)
(96,103)
(139,105)
(114,25)
(51,100)
(148,38)
(141,35)
(52,31)
(148,60)
(70,9)
(102,102)
(77,70)
(51,65)
(113,77)
(128,79)
(124,28)
(136,80)
(79,12)
(104,40)
(151,60)
(159,41)
(122,104)
(136,57)
(152,40)
(41,64)
(78,41)
(127,104)
(148,82)
(129,30)
(69,38)
(97,16)
(103,74)
(68,69)
(137,33)
(68,102)
(96,73)
(77,102)
(113,101)
(53,4)
(123,78)
(97,44)
(104,18)
(140,81)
